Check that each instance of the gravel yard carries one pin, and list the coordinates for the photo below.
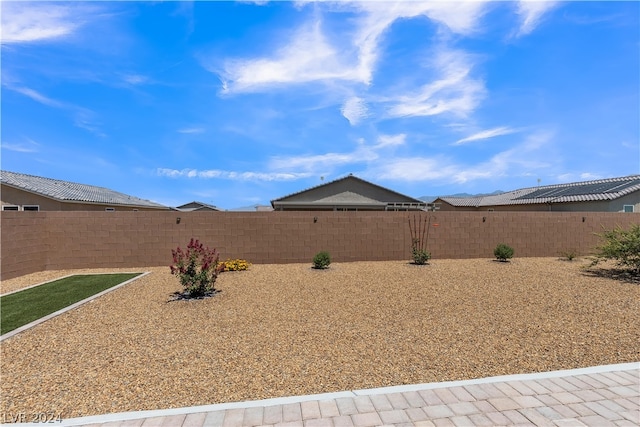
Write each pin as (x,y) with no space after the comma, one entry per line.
(280,330)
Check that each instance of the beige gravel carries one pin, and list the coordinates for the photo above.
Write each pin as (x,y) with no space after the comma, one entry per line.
(279,330)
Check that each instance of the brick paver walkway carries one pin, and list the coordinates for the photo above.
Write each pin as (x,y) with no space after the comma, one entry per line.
(597,396)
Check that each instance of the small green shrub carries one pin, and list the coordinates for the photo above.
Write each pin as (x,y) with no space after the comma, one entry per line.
(196,268)
(622,246)
(419,230)
(321,260)
(503,252)
(420,256)
(569,255)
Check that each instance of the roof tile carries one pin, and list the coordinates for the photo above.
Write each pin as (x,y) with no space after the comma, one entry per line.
(602,189)
(71,191)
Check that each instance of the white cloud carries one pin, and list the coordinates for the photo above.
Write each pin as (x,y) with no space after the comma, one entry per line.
(256,2)
(310,57)
(355,110)
(363,153)
(135,79)
(82,117)
(38,97)
(307,57)
(574,177)
(329,160)
(416,169)
(531,12)
(588,176)
(458,17)
(86,119)
(391,140)
(524,158)
(486,134)
(191,130)
(230,175)
(29,146)
(455,91)
(24,22)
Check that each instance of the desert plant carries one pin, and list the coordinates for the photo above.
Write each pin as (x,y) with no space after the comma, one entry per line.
(234,265)
(569,254)
(620,245)
(321,260)
(197,269)
(420,256)
(503,252)
(419,239)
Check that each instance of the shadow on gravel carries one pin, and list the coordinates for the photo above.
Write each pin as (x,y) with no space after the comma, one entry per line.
(620,274)
(181,296)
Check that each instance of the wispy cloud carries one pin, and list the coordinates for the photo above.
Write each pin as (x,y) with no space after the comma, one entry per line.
(83,118)
(531,13)
(416,169)
(308,57)
(86,119)
(28,146)
(521,159)
(38,97)
(191,130)
(457,17)
(135,79)
(378,17)
(355,110)
(26,22)
(391,140)
(532,154)
(574,177)
(230,175)
(590,176)
(323,161)
(486,134)
(454,91)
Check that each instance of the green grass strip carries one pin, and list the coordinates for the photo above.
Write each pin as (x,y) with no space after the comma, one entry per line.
(31,304)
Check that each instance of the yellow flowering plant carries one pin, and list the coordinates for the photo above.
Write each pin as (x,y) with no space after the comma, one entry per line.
(234,265)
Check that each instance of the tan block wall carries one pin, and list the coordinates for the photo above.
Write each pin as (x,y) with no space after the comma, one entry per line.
(24,243)
(35,241)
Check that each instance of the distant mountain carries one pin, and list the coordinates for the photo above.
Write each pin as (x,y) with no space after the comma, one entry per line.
(430,199)
(252,208)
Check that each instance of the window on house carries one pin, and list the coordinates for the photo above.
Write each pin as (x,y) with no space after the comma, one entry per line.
(627,208)
(490,210)
(35,208)
(9,208)
(110,209)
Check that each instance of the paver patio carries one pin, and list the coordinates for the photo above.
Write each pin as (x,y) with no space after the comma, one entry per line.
(597,396)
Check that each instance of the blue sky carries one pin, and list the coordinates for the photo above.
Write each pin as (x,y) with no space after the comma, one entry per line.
(239,103)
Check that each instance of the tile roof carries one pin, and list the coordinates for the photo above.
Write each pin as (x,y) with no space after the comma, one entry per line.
(195,206)
(349,177)
(66,191)
(586,191)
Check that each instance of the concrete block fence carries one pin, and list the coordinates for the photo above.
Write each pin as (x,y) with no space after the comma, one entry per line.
(37,241)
